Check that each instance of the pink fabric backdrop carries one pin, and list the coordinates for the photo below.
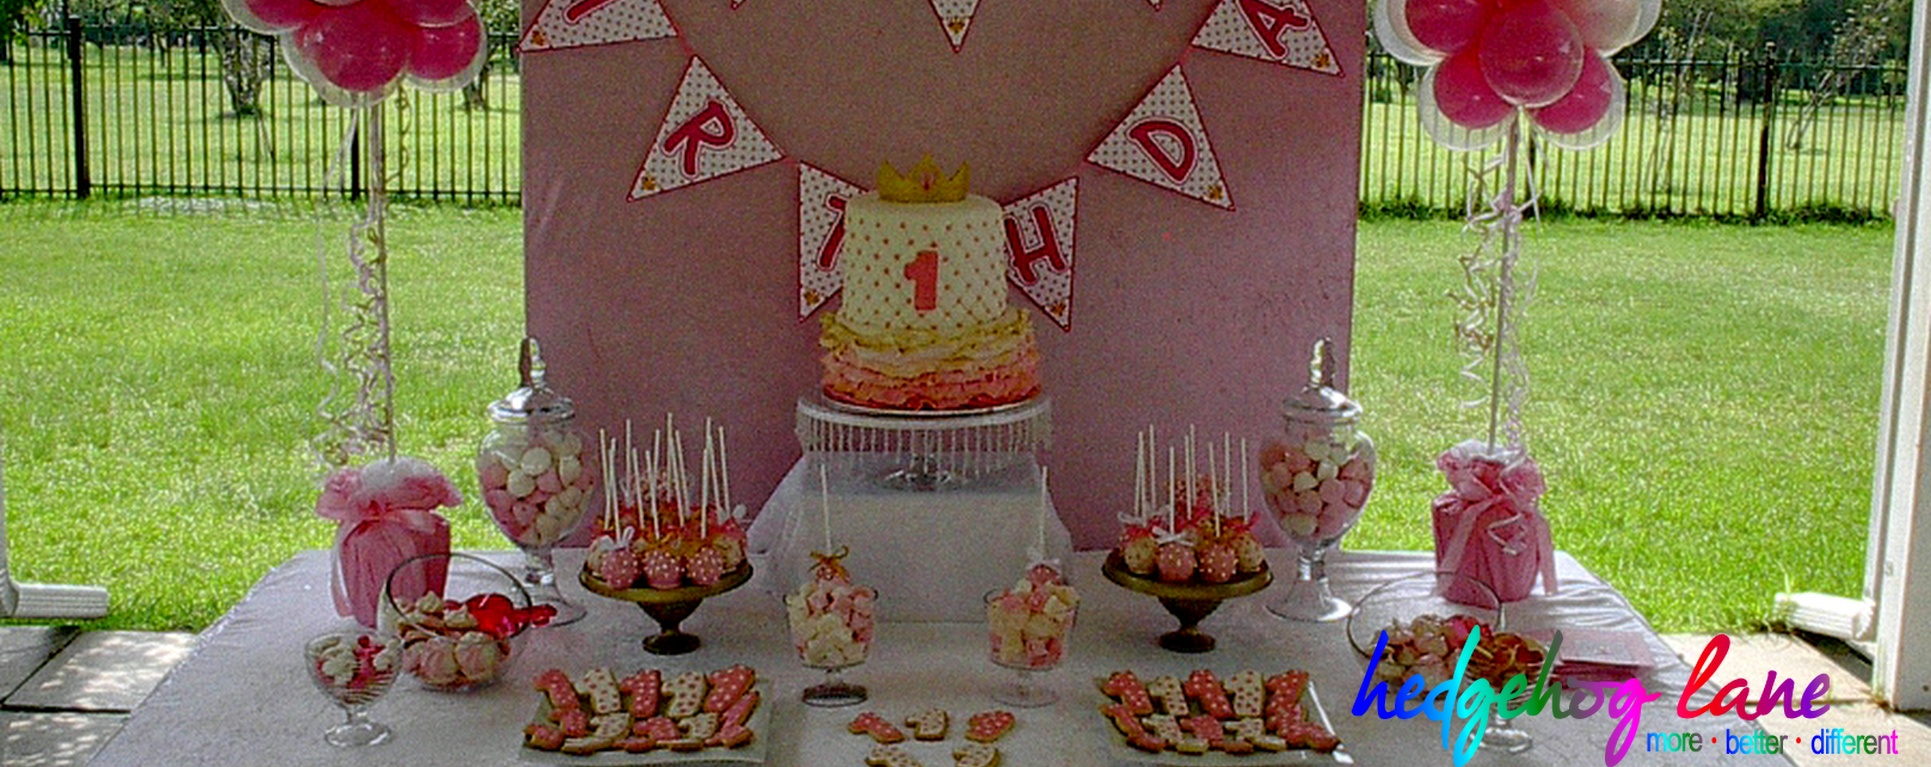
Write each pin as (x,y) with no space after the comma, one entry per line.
(1183,313)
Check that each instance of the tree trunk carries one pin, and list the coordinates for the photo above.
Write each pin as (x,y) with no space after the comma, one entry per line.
(246,60)
(476,94)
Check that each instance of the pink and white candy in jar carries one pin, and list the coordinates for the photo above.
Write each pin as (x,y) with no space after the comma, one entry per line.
(1317,477)
(536,480)
(832,621)
(1027,626)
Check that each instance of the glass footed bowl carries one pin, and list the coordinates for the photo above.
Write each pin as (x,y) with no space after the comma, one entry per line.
(1397,605)
(1025,689)
(354,669)
(835,690)
(441,649)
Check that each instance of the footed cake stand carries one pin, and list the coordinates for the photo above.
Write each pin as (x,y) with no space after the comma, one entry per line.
(922,450)
(1189,602)
(668,607)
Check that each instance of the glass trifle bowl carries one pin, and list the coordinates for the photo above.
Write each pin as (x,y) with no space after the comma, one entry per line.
(1316,478)
(537,478)
(1027,628)
(462,637)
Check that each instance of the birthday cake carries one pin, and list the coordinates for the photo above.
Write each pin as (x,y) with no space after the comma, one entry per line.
(924,324)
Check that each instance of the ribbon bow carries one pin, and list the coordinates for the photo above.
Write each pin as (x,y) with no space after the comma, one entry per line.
(830,567)
(1501,488)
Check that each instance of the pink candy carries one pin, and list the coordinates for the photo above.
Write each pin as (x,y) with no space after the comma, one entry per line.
(1316,486)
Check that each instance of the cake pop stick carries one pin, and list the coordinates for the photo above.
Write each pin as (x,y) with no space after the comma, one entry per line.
(1226,484)
(630,449)
(1173,495)
(1139,475)
(704,507)
(724,464)
(1041,540)
(656,452)
(824,504)
(1190,490)
(1243,481)
(1213,498)
(603,454)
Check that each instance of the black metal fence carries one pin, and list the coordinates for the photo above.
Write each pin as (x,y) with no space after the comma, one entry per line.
(120,109)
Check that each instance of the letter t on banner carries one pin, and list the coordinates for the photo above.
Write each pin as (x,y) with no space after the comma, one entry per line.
(705,135)
(821,235)
(1039,246)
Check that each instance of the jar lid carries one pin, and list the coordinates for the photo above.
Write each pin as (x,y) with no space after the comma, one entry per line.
(1319,400)
(534,400)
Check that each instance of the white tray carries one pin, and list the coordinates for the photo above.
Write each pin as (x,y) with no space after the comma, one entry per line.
(760,723)
(1122,755)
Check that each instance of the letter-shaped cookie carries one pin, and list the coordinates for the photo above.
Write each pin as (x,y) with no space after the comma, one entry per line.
(1165,726)
(685,693)
(543,737)
(1172,697)
(1206,728)
(727,685)
(555,685)
(731,730)
(870,723)
(975,755)
(642,687)
(1204,687)
(989,726)
(890,756)
(659,729)
(930,724)
(1127,689)
(1247,692)
(607,729)
(1136,734)
(600,686)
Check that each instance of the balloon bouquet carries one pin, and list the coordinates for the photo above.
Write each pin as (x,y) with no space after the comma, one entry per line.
(1496,68)
(356,54)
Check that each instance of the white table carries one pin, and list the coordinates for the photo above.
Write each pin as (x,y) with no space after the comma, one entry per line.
(243,698)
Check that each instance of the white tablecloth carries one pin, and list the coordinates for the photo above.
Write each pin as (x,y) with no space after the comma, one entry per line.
(243,698)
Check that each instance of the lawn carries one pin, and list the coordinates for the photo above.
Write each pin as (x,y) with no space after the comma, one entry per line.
(1704,401)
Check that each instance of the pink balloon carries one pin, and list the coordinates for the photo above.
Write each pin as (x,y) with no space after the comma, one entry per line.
(1584,105)
(1464,96)
(444,52)
(1446,25)
(285,14)
(431,13)
(1605,25)
(1531,53)
(359,48)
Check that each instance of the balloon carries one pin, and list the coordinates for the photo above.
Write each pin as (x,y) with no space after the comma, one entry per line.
(271,16)
(1463,96)
(359,48)
(1648,12)
(1449,25)
(1591,112)
(432,13)
(1604,25)
(1445,131)
(441,54)
(1531,53)
(1391,28)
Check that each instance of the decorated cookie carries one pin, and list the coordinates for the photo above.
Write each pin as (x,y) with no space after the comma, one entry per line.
(1204,687)
(575,723)
(1165,726)
(1205,727)
(1191,746)
(1129,726)
(1272,743)
(930,724)
(1305,734)
(1288,685)
(880,730)
(659,729)
(1172,697)
(975,755)
(1247,729)
(701,726)
(727,685)
(731,731)
(685,693)
(884,755)
(642,687)
(605,732)
(1234,746)
(990,726)
(543,737)
(1247,693)
(600,686)
(555,685)
(1127,689)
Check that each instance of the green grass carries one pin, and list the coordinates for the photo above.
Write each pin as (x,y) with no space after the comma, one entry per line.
(162,123)
(1704,395)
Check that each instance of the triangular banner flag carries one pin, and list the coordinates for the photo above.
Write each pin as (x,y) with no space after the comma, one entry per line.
(821,235)
(1280,31)
(577,23)
(955,16)
(1163,142)
(1154,3)
(705,135)
(1039,247)
(736,3)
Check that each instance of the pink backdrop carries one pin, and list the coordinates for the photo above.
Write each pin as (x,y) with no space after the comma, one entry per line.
(1183,313)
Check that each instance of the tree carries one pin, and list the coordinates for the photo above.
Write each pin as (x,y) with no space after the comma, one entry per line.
(497,16)
(1860,40)
(14,15)
(247,58)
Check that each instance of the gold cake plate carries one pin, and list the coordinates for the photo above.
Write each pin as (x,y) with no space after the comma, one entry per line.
(1189,602)
(669,607)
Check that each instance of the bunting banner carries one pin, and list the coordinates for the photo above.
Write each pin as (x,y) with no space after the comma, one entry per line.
(1039,247)
(577,23)
(705,135)
(821,234)
(1280,31)
(955,16)
(1163,142)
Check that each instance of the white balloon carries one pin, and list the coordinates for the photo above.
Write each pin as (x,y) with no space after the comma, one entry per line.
(1443,130)
(1651,10)
(1391,28)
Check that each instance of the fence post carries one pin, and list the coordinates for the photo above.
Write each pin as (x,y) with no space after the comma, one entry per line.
(355,164)
(83,183)
(1764,142)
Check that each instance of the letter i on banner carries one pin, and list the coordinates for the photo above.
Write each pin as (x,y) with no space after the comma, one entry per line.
(705,135)
(955,16)
(1039,247)
(1280,31)
(1164,143)
(577,23)
(821,235)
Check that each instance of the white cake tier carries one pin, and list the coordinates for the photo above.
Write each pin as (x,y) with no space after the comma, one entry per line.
(883,238)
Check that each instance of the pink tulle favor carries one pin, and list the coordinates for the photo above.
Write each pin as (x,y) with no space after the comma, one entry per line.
(1488,526)
(386,513)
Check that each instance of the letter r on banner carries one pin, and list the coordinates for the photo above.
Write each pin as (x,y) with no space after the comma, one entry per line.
(696,133)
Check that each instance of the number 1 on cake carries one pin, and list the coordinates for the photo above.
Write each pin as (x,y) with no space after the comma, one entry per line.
(923,271)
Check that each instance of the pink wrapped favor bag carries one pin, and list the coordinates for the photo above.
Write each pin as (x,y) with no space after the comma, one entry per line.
(1488,526)
(386,513)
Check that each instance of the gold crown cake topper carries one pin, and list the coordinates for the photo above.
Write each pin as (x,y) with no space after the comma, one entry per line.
(923,184)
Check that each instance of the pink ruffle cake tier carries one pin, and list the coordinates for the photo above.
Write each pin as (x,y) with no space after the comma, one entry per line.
(986,366)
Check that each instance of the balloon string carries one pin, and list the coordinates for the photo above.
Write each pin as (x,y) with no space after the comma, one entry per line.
(325,445)
(1491,296)
(367,424)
